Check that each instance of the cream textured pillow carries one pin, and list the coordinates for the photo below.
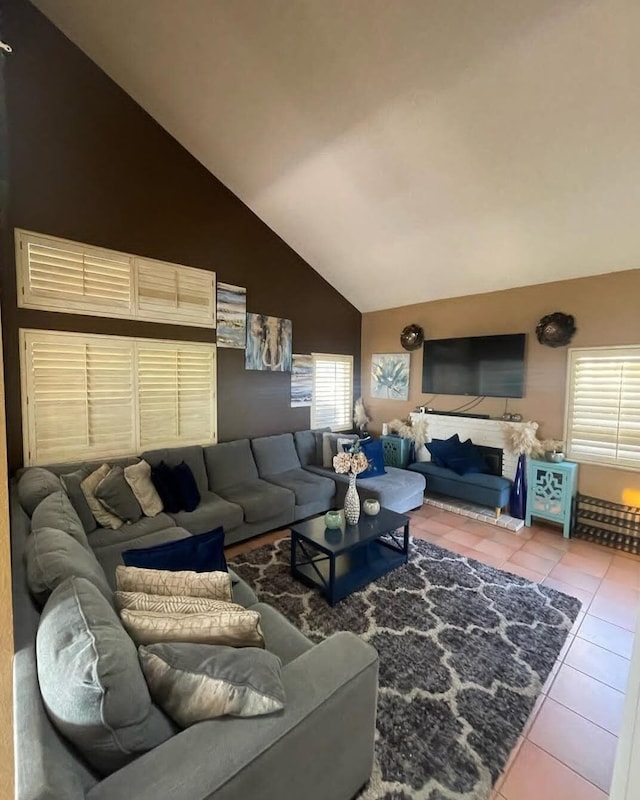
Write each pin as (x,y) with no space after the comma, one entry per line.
(88,486)
(215,585)
(193,682)
(140,601)
(230,624)
(138,476)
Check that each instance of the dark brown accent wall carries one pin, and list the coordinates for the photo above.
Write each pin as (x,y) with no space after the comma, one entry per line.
(87,163)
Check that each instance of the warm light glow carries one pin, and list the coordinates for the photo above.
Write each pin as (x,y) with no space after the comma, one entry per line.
(631,497)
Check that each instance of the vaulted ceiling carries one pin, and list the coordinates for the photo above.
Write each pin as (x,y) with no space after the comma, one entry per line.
(408,150)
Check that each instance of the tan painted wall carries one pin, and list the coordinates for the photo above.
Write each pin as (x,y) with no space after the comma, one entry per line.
(607,312)
(6,620)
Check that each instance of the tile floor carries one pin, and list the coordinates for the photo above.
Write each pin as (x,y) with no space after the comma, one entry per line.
(568,747)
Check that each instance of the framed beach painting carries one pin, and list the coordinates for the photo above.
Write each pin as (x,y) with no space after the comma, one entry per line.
(301,380)
(268,343)
(390,376)
(231,308)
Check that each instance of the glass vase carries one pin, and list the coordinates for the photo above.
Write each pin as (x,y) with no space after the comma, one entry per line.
(352,503)
(518,494)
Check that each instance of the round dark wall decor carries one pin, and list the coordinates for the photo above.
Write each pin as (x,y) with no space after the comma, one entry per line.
(555,330)
(412,337)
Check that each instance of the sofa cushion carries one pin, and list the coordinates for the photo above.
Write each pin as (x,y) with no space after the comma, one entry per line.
(100,537)
(225,623)
(275,454)
(441,448)
(215,585)
(372,448)
(91,680)
(305,442)
(192,455)
(100,513)
(138,476)
(56,511)
(166,486)
(280,636)
(114,493)
(259,499)
(229,464)
(319,437)
(193,682)
(187,487)
(201,553)
(34,485)
(330,446)
(72,483)
(213,511)
(53,556)
(307,487)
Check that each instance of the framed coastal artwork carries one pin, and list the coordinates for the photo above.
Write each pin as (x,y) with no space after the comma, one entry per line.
(231,308)
(301,380)
(268,343)
(390,376)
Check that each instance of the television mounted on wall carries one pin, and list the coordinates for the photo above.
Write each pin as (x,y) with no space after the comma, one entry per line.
(480,366)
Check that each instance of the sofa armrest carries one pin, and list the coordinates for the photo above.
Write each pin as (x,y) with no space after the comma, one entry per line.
(320,746)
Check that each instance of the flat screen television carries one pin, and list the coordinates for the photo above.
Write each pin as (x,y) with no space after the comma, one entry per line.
(482,366)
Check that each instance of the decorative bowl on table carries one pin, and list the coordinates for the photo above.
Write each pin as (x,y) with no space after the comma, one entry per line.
(556,456)
(371,507)
(333,520)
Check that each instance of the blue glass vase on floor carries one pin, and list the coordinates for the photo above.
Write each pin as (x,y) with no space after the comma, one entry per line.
(518,494)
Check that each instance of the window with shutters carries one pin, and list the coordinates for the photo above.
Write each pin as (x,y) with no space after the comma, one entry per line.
(332,404)
(90,396)
(602,423)
(59,275)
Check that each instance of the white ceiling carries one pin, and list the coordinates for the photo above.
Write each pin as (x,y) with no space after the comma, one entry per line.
(409,150)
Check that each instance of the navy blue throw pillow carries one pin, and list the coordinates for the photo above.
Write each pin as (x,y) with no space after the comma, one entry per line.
(201,553)
(372,448)
(441,448)
(187,487)
(166,486)
(466,458)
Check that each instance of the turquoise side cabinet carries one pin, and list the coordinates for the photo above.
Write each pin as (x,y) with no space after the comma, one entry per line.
(551,489)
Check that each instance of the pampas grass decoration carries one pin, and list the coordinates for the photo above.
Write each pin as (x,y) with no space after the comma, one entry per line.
(417,431)
(521,439)
(360,417)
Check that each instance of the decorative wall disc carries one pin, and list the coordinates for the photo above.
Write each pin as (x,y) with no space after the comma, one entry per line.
(555,330)
(412,337)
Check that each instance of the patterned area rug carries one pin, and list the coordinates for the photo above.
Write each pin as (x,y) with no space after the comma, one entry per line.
(464,652)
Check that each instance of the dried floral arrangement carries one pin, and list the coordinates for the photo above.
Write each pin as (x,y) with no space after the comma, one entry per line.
(522,439)
(360,417)
(417,431)
(352,462)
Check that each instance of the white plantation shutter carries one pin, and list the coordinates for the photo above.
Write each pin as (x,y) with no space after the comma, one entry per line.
(88,396)
(176,388)
(178,294)
(78,395)
(332,401)
(58,275)
(603,406)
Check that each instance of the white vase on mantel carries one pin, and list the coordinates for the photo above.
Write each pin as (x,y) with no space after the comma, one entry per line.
(352,503)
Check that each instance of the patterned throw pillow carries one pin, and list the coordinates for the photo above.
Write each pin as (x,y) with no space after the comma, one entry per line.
(138,476)
(226,623)
(89,486)
(182,604)
(215,585)
(194,682)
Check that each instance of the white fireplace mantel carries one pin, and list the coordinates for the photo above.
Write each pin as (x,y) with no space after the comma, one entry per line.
(488,432)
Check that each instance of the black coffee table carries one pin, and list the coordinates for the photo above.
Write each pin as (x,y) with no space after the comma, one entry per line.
(342,561)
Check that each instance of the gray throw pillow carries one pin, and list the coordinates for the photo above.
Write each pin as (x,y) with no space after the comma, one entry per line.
(71,482)
(193,682)
(34,485)
(91,682)
(57,512)
(115,494)
(330,446)
(53,556)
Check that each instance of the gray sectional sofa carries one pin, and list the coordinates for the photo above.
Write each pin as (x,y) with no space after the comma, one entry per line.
(321,745)
(330,689)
